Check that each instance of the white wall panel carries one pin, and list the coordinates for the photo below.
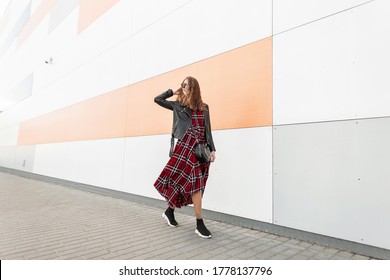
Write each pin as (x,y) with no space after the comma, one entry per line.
(333,69)
(106,72)
(147,13)
(332,179)
(17,157)
(56,46)
(24,158)
(98,163)
(108,31)
(240,180)
(9,135)
(7,156)
(32,43)
(145,157)
(197,31)
(288,14)
(52,160)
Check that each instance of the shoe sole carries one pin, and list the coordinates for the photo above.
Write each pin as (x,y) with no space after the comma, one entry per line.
(166,219)
(201,235)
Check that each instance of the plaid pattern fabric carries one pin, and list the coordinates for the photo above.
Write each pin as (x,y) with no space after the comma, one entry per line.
(183,175)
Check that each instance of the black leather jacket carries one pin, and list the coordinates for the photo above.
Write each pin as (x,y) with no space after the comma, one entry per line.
(182,117)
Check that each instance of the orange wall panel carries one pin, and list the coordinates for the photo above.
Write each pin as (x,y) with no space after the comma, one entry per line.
(237,85)
(97,118)
(49,128)
(90,10)
(145,117)
(100,117)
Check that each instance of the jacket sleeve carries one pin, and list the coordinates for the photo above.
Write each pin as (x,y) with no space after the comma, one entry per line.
(161,99)
(209,136)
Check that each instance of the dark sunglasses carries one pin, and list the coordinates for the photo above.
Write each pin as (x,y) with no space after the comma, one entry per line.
(183,85)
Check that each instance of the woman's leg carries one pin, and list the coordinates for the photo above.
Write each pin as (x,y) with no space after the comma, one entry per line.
(197,202)
(201,229)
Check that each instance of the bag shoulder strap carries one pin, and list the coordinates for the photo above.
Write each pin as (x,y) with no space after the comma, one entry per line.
(172,144)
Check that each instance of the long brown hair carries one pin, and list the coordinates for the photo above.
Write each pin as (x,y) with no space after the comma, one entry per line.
(194,99)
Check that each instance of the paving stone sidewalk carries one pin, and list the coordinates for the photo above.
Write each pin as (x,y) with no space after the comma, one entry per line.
(44,221)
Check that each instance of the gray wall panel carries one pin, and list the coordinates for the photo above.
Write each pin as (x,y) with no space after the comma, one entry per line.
(22,90)
(332,178)
(24,17)
(60,12)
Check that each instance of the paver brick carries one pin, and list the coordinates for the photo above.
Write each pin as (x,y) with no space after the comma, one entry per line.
(48,221)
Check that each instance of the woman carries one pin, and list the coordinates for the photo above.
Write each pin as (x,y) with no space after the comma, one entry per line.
(183,180)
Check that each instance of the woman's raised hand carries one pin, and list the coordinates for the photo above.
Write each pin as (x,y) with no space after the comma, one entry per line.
(178,91)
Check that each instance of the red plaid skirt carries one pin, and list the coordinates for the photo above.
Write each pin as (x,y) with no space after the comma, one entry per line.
(183,175)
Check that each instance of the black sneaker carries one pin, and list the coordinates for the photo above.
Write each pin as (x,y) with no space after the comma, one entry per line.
(170,217)
(201,229)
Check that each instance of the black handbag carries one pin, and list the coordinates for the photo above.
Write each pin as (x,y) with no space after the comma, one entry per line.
(202,153)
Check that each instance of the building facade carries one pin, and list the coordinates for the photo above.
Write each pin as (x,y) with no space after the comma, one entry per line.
(298,93)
